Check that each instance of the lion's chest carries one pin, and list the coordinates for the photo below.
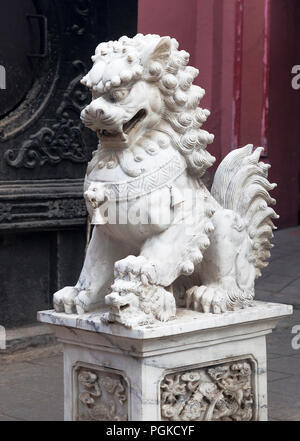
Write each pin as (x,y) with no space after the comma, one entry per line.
(135,215)
(136,207)
(135,220)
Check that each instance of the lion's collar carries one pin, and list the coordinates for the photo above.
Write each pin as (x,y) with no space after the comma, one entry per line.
(144,184)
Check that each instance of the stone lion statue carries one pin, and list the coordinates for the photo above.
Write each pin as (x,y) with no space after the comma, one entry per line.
(160,238)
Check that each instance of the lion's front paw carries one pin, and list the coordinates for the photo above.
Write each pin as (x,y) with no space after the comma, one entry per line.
(63,300)
(71,300)
(87,301)
(136,268)
(207,299)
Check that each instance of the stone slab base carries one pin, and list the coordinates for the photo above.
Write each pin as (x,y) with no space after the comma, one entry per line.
(193,368)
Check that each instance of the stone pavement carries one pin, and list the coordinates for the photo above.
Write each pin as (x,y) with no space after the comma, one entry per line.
(32,388)
(280,282)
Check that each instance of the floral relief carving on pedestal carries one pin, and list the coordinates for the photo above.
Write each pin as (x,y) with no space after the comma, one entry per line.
(216,393)
(101,395)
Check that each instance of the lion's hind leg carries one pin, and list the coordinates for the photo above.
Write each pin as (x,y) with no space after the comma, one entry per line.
(227,271)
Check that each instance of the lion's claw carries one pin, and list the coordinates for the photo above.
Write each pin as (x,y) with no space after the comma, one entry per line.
(207,299)
(63,300)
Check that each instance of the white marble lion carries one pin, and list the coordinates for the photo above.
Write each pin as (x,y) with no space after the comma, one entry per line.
(159,236)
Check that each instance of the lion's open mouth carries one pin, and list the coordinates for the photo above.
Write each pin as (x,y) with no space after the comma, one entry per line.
(129,125)
(126,306)
(134,120)
(118,309)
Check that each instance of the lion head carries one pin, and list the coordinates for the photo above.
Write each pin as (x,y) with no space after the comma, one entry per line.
(143,98)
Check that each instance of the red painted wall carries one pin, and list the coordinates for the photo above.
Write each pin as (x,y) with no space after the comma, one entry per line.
(235,80)
(284,115)
(206,30)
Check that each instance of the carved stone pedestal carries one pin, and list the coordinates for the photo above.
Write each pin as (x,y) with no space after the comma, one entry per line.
(195,367)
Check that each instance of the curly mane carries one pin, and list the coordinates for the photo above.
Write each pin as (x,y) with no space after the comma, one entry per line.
(174,78)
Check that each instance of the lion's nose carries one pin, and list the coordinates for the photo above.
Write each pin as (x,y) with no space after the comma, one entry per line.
(110,299)
(93,111)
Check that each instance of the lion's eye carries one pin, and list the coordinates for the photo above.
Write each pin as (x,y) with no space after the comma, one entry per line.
(118,95)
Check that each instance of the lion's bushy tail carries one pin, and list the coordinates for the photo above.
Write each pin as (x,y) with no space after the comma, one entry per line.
(241,184)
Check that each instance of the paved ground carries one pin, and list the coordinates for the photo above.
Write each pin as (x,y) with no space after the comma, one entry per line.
(32,389)
(281,283)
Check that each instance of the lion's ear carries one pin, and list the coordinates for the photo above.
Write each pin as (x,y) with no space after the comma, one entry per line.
(162,50)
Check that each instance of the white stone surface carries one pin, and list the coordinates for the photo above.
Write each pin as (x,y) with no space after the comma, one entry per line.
(154,220)
(185,321)
(114,373)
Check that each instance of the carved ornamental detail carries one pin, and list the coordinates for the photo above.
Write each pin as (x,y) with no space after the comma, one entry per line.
(44,202)
(49,145)
(81,12)
(217,393)
(62,140)
(101,395)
